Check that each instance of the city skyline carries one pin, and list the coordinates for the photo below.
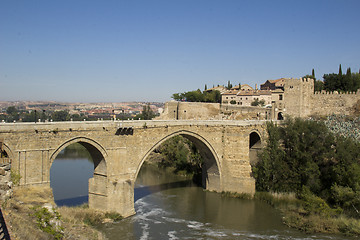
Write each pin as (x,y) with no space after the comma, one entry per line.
(122,51)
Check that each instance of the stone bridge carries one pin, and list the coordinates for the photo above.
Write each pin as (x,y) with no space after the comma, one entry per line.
(119,148)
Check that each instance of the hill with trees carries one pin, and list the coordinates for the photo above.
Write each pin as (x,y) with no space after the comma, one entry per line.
(322,168)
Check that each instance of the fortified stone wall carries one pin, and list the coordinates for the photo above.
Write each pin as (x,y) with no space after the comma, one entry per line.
(326,103)
(229,112)
(190,111)
(212,111)
(297,97)
(301,101)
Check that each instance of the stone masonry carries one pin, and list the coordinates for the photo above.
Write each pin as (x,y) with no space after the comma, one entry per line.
(119,148)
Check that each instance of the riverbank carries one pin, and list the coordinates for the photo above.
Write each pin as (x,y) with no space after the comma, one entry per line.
(30,213)
(310,215)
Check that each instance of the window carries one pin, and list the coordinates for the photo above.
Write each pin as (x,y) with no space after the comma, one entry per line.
(280,97)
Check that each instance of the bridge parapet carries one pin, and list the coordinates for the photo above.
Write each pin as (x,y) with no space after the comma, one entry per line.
(120,148)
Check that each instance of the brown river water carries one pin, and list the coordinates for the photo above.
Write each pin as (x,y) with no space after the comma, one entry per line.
(172,207)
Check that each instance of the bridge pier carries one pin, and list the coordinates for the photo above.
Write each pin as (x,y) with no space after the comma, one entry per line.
(119,154)
(121,197)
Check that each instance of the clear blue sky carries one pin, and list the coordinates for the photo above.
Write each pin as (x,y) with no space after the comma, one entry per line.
(146,50)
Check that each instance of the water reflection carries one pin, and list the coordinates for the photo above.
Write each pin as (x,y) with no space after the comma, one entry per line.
(69,176)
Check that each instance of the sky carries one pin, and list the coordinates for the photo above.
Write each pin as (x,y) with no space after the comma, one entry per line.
(146,50)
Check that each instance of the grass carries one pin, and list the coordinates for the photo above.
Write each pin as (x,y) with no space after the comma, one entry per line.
(27,218)
(310,215)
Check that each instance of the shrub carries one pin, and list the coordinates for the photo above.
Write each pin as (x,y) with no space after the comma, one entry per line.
(48,221)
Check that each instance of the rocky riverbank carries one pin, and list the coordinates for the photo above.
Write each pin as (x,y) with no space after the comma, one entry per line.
(30,213)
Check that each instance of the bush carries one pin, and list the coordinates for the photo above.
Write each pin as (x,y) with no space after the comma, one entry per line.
(48,221)
(15,177)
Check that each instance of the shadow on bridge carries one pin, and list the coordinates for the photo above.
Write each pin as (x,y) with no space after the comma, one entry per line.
(141,192)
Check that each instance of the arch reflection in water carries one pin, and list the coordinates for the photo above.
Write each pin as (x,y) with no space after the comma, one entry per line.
(69,175)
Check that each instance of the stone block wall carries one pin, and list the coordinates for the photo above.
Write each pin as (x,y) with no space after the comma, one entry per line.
(212,111)
(326,103)
(301,101)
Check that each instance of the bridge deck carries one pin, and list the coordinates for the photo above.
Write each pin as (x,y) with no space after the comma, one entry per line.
(23,126)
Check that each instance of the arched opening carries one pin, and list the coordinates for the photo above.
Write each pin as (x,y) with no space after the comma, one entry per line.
(5,153)
(280,116)
(255,147)
(78,174)
(209,175)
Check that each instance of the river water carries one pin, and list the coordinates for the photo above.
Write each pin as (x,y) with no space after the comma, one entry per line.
(172,207)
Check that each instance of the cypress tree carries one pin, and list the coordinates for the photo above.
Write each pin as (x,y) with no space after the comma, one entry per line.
(205,87)
(340,71)
(229,86)
(349,82)
(313,73)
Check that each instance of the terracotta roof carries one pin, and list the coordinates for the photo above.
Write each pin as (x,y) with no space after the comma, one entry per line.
(277,80)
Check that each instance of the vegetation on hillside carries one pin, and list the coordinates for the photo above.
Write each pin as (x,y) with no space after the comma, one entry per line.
(321,168)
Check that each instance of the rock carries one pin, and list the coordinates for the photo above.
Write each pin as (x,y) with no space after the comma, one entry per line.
(2,172)
(49,207)
(107,220)
(7,167)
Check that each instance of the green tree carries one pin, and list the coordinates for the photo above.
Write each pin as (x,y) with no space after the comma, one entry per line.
(181,154)
(147,113)
(198,96)
(256,102)
(318,85)
(304,153)
(12,114)
(178,96)
(62,115)
(12,110)
(229,85)
(340,70)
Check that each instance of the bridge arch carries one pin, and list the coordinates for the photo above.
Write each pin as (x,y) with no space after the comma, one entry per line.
(211,169)
(255,146)
(97,184)
(9,152)
(88,143)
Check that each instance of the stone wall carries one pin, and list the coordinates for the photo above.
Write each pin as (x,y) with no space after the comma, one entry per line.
(301,101)
(325,103)
(212,111)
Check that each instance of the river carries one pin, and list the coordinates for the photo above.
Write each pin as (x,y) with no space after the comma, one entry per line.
(172,207)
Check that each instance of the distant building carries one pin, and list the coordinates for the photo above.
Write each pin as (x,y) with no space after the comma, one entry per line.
(221,89)
(246,97)
(273,84)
